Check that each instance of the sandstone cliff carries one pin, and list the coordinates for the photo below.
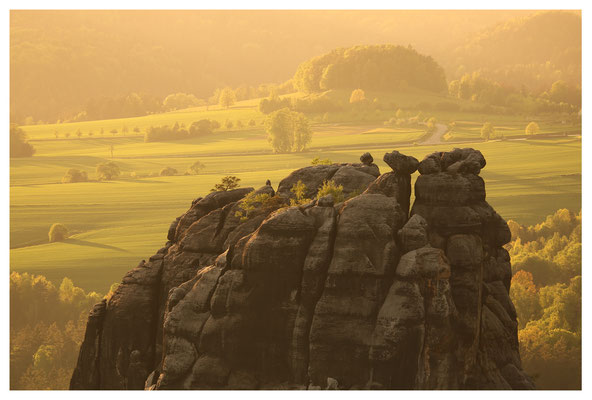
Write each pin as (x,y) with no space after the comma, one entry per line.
(367,293)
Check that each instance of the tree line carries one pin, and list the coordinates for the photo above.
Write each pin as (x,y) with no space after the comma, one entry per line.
(47,325)
(140,104)
(559,97)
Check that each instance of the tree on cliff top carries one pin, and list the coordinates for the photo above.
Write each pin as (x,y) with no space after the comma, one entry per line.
(228,183)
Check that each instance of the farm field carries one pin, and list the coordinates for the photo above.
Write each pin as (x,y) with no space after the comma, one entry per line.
(513,128)
(115,224)
(121,120)
(118,223)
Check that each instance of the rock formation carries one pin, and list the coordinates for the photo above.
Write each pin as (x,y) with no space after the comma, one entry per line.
(364,294)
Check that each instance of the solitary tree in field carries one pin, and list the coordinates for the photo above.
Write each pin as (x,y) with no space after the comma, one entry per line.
(67,134)
(74,175)
(487,131)
(125,129)
(288,131)
(79,133)
(107,171)
(357,96)
(196,167)
(228,183)
(302,132)
(57,233)
(532,129)
(56,134)
(111,148)
(227,98)
(102,131)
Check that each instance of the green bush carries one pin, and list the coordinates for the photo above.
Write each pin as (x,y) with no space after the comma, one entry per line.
(318,161)
(168,171)
(201,128)
(250,203)
(299,190)
(107,171)
(74,175)
(57,233)
(330,187)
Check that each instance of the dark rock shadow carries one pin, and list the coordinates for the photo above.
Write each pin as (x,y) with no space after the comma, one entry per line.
(93,244)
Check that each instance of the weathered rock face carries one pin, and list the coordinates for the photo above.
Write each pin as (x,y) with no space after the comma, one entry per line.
(354,177)
(450,197)
(337,296)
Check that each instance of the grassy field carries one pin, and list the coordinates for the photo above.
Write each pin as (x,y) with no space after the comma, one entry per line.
(116,224)
(513,127)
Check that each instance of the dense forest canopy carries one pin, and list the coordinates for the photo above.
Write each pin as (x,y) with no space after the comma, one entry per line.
(59,60)
(47,326)
(378,67)
(546,291)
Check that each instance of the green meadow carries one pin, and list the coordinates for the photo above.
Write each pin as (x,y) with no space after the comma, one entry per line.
(115,224)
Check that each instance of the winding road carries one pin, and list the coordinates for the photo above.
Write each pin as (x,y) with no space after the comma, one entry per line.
(436,136)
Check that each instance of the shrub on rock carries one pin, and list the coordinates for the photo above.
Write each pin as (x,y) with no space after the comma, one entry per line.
(330,187)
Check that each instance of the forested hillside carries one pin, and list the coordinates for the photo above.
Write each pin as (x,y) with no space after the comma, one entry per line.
(46,328)
(547,291)
(115,53)
(531,52)
(380,67)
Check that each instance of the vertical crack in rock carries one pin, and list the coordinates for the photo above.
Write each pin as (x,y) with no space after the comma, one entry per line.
(451,197)
(314,274)
(188,308)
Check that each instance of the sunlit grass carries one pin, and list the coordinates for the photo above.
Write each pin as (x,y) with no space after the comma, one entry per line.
(118,223)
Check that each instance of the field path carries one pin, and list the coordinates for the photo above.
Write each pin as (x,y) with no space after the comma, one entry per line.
(436,136)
